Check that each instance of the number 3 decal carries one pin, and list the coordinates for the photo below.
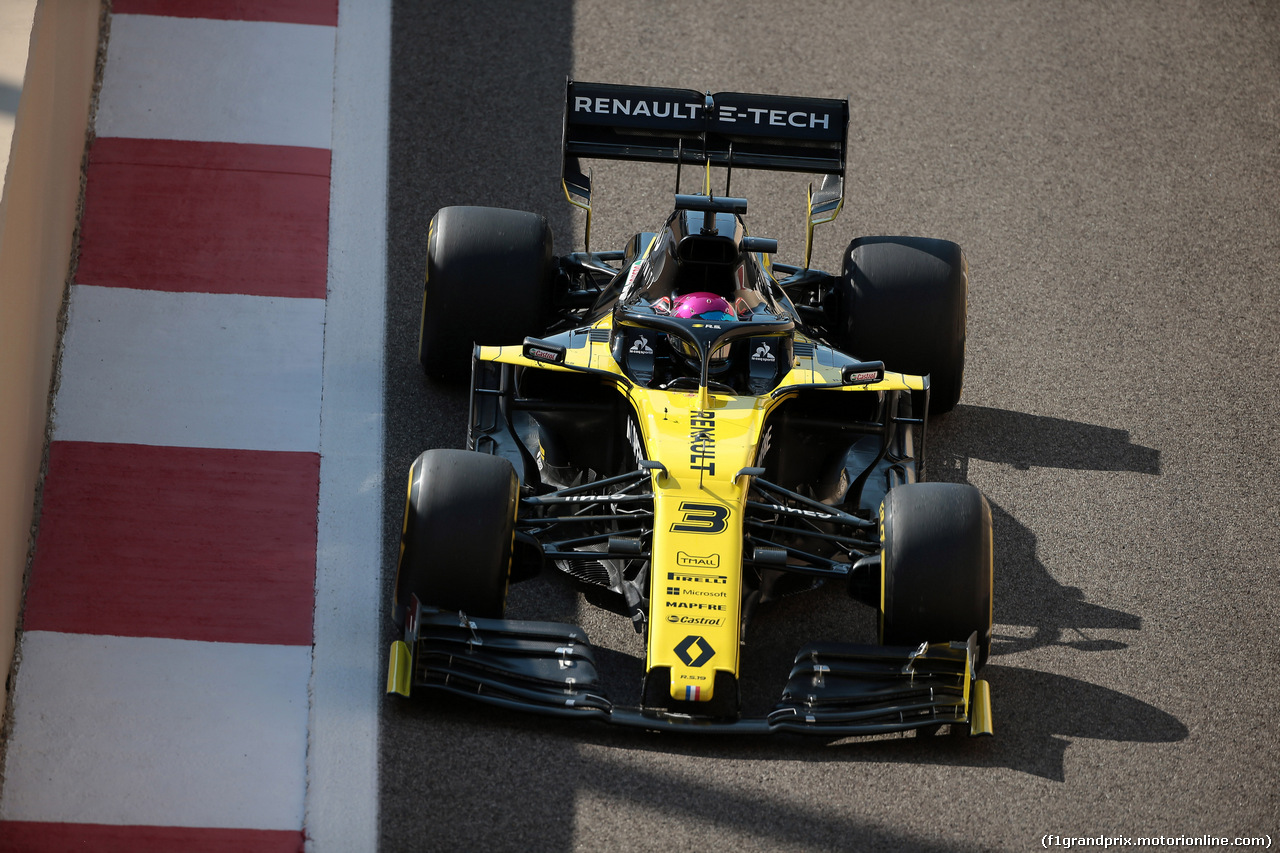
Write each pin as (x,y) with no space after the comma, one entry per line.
(701,518)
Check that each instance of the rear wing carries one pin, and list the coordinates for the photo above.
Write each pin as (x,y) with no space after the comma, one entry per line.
(729,129)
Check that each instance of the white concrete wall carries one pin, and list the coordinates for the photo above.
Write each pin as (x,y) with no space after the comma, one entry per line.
(55,44)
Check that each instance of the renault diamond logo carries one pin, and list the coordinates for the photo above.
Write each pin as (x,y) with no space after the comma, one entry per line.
(685,651)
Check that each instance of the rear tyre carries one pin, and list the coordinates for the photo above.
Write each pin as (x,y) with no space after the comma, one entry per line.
(902,300)
(936,565)
(488,281)
(455,545)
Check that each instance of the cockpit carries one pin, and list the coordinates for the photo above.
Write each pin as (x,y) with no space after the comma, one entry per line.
(699,306)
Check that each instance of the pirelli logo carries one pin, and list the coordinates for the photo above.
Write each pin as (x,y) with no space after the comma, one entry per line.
(689,577)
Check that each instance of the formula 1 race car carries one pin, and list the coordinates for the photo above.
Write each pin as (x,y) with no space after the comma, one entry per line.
(689,429)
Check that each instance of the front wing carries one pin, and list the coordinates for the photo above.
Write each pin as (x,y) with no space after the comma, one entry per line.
(834,689)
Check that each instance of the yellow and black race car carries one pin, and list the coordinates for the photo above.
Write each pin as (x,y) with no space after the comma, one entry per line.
(689,429)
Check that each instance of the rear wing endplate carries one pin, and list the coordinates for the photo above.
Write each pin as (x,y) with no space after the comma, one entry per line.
(729,129)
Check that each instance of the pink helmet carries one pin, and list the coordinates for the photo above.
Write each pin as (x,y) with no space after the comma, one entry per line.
(703,306)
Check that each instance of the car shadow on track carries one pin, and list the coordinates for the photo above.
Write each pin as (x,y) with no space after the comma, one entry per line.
(1042,611)
(1025,441)
(1033,610)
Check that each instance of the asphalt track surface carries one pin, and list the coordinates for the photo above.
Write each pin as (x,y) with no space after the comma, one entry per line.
(1113,172)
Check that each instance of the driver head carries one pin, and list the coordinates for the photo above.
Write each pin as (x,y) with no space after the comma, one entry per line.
(702,306)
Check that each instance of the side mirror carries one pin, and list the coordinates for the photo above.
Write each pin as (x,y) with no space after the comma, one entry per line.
(536,349)
(862,373)
(758,244)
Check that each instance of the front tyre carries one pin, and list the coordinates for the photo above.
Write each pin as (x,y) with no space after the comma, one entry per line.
(455,545)
(937,566)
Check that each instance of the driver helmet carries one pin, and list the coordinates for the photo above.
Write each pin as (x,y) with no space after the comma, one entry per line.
(702,306)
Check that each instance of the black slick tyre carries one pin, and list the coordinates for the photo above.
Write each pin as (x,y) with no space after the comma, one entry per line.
(902,300)
(936,565)
(488,281)
(455,545)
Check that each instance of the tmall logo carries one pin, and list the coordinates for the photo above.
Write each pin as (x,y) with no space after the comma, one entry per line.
(693,561)
(694,651)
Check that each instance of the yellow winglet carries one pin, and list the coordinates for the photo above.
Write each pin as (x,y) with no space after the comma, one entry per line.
(400,669)
(980,709)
